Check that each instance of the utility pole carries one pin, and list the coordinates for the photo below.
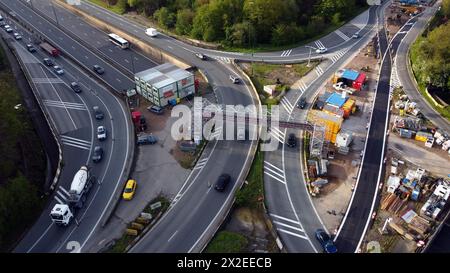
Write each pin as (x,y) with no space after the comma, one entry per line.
(309,57)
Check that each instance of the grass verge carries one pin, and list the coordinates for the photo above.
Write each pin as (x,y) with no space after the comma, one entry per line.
(227,242)
(251,194)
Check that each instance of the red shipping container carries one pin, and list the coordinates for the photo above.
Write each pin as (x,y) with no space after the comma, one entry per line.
(359,82)
(136,115)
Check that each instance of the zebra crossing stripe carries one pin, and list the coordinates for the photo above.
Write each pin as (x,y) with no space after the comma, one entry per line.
(319,70)
(59,200)
(274,133)
(75,142)
(286,53)
(201,163)
(284,218)
(274,172)
(319,44)
(288,226)
(292,233)
(64,190)
(287,105)
(62,104)
(342,35)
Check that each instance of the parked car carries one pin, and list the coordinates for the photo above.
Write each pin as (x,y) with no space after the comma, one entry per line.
(234,79)
(200,56)
(146,139)
(222,182)
(292,140)
(142,123)
(48,62)
(130,189)
(326,242)
(31,48)
(101,133)
(98,69)
(98,154)
(98,113)
(58,70)
(156,109)
(8,28)
(321,50)
(302,103)
(17,36)
(75,87)
(2,24)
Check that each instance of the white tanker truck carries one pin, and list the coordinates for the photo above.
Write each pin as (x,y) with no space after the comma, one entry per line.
(82,182)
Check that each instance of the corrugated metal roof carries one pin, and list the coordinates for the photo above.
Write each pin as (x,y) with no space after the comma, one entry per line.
(163,75)
(350,74)
(336,100)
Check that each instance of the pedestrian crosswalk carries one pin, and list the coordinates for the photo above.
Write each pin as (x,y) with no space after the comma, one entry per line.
(62,104)
(216,134)
(277,134)
(338,55)
(47,80)
(342,35)
(75,142)
(319,70)
(61,195)
(286,53)
(288,226)
(287,105)
(395,81)
(301,86)
(274,172)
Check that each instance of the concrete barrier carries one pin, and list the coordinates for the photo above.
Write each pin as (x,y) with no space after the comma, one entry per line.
(154,52)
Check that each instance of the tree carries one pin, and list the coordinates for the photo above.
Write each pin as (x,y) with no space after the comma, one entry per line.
(446,7)
(164,17)
(185,18)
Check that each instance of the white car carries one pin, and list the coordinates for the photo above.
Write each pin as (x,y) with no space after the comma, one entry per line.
(151,32)
(101,133)
(17,36)
(8,28)
(340,86)
(321,50)
(58,70)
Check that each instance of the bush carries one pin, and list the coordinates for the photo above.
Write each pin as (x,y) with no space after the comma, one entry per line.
(249,194)
(227,242)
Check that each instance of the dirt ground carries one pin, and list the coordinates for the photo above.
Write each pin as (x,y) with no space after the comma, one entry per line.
(394,23)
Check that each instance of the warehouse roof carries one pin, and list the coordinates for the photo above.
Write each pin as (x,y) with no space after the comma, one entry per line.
(350,74)
(163,75)
(336,100)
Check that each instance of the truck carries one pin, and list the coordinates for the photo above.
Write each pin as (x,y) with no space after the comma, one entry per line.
(82,182)
(50,49)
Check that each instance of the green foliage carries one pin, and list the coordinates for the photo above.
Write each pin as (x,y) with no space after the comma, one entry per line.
(446,7)
(227,242)
(244,23)
(249,194)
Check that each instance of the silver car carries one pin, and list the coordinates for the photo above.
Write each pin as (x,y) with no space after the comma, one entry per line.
(101,133)
(58,70)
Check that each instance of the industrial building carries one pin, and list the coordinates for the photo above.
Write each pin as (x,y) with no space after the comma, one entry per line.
(165,84)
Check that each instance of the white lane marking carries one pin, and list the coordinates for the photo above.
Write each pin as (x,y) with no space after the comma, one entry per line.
(173,235)
(277,223)
(58,200)
(77,143)
(286,53)
(61,104)
(284,218)
(64,190)
(274,172)
(293,234)
(40,238)
(47,80)
(287,105)
(342,35)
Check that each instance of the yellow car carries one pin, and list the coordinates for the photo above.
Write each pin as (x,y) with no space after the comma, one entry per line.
(130,189)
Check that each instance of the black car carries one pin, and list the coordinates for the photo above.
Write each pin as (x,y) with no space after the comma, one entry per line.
(75,87)
(326,242)
(156,109)
(142,123)
(48,62)
(302,103)
(292,140)
(98,154)
(98,113)
(31,48)
(98,69)
(222,182)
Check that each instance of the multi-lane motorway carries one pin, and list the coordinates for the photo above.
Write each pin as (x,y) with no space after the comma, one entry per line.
(197,211)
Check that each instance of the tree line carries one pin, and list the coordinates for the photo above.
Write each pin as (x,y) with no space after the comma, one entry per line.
(244,23)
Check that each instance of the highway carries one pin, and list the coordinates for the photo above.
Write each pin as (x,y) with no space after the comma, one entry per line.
(407,79)
(71,115)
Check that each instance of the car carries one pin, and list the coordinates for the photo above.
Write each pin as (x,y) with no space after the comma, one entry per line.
(101,133)
(31,48)
(1,18)
(234,79)
(58,70)
(302,103)
(151,32)
(356,35)
(98,69)
(292,140)
(142,123)
(98,113)
(17,36)
(48,62)
(2,24)
(8,28)
(326,242)
(75,87)
(156,109)
(321,50)
(200,56)
(146,139)
(130,189)
(222,182)
(340,86)
(98,154)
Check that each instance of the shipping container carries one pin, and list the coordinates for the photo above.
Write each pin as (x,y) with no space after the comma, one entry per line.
(359,82)
(406,133)
(423,136)
(349,107)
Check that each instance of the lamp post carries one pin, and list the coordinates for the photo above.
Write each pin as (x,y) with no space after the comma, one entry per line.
(309,57)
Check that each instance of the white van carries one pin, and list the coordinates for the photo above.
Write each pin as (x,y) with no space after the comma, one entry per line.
(151,32)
